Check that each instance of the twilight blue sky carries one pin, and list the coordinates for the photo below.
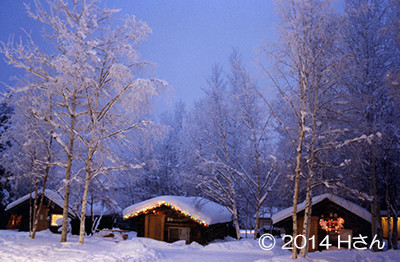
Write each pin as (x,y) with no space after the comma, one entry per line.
(189,36)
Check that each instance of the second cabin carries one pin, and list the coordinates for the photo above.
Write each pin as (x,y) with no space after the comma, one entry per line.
(331,216)
(173,218)
(20,212)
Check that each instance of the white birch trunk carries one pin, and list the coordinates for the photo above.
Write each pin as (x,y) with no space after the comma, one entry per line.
(296,186)
(84,198)
(236,221)
(307,218)
(83,212)
(68,172)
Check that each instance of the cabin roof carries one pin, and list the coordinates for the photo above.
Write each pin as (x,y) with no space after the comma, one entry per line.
(50,194)
(348,205)
(201,210)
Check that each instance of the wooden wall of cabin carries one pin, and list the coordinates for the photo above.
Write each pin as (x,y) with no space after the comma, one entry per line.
(385,226)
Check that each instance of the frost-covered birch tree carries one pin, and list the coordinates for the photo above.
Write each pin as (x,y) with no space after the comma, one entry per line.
(254,163)
(230,135)
(93,76)
(28,147)
(302,66)
(372,56)
(209,138)
(163,173)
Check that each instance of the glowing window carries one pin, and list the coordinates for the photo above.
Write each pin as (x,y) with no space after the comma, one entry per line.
(54,218)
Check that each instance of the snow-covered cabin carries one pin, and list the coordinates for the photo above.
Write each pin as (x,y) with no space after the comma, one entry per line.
(331,215)
(173,218)
(18,212)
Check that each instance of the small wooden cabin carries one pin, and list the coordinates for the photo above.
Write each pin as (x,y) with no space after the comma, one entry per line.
(173,218)
(331,215)
(18,213)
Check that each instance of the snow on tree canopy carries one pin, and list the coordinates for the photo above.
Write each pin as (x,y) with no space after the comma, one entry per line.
(53,196)
(350,206)
(200,210)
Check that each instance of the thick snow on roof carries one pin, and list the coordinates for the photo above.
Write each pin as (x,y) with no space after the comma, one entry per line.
(350,206)
(50,194)
(199,209)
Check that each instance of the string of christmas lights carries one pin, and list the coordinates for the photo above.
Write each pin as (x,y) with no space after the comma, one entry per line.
(167,204)
(332,224)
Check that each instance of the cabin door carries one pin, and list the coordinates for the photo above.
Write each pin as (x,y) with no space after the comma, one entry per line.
(154,226)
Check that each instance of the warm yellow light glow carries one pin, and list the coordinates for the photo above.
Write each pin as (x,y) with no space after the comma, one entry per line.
(54,218)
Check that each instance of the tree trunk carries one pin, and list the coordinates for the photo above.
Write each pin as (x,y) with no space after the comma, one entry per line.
(35,224)
(257,224)
(34,214)
(234,210)
(395,236)
(37,213)
(66,198)
(257,221)
(307,217)
(30,208)
(311,165)
(376,228)
(96,223)
(296,187)
(68,174)
(84,198)
(46,174)
(394,205)
(92,218)
(388,209)
(83,213)
(236,221)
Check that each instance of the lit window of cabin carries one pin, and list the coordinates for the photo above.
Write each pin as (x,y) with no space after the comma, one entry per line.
(54,218)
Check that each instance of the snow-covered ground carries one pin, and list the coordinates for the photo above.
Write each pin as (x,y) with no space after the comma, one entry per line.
(17,246)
